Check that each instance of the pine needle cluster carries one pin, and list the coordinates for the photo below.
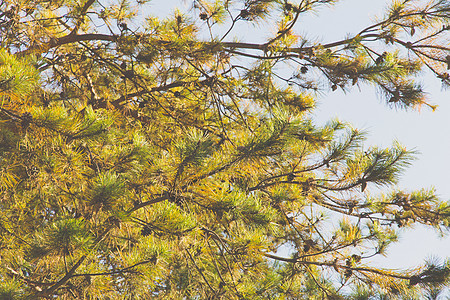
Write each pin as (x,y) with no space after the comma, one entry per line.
(163,158)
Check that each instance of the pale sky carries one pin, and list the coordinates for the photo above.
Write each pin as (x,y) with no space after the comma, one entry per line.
(427,132)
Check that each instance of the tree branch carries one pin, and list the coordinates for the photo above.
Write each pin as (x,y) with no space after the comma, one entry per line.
(332,264)
(49,291)
(68,39)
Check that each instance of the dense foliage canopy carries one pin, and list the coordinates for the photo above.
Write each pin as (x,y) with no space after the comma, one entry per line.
(166,157)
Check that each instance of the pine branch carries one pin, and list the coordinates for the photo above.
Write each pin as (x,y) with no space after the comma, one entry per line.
(49,291)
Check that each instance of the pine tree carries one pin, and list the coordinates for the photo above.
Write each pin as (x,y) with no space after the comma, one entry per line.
(165,158)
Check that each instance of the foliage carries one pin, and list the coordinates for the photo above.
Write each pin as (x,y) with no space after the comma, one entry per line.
(164,158)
